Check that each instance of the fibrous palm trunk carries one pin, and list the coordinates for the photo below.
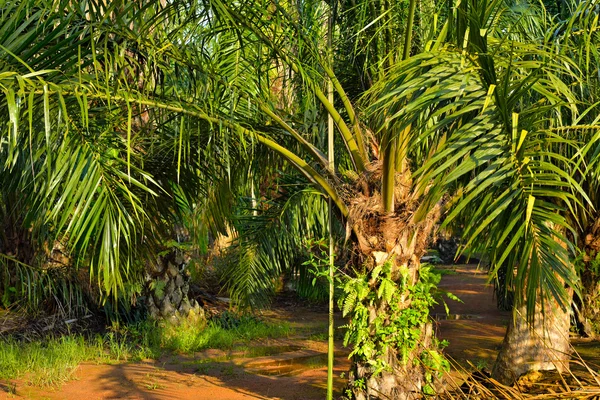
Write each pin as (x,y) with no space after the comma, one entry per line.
(168,297)
(404,379)
(397,239)
(539,346)
(589,316)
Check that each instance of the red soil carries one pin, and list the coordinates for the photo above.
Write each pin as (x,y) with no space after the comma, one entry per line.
(477,332)
(293,368)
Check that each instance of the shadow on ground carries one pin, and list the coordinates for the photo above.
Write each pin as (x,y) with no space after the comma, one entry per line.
(291,369)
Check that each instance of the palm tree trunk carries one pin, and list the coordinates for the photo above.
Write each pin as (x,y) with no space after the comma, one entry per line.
(589,313)
(404,380)
(168,297)
(404,377)
(399,332)
(539,346)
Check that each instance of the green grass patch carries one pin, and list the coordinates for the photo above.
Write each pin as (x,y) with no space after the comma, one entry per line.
(185,339)
(49,362)
(52,361)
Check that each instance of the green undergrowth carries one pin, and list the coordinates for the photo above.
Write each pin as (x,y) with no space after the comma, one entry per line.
(444,270)
(220,334)
(47,362)
(52,361)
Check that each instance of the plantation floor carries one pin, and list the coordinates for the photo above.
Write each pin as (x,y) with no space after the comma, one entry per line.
(291,368)
(285,376)
(474,327)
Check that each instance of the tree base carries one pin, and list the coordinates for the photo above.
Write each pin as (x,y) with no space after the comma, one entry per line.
(544,346)
(405,381)
(168,293)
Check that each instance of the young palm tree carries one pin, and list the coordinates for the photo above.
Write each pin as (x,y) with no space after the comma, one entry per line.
(578,37)
(575,139)
(478,104)
(515,181)
(476,109)
(82,177)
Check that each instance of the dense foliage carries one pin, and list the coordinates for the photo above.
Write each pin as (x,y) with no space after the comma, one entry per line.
(130,127)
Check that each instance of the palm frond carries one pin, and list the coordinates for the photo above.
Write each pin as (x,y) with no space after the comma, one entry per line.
(489,121)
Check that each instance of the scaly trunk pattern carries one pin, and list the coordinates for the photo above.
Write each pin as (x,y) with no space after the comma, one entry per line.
(542,346)
(589,317)
(168,291)
(389,246)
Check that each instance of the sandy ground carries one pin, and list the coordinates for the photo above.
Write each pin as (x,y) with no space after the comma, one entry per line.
(290,368)
(184,379)
(293,368)
(475,328)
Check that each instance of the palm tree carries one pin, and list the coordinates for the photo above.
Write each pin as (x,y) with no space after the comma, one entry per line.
(460,121)
(88,187)
(577,37)
(477,104)
(210,71)
(576,140)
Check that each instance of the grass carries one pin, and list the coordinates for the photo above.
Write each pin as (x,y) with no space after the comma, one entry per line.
(445,270)
(319,333)
(52,361)
(214,336)
(49,362)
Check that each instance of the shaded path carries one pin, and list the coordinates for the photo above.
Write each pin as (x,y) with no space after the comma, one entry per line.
(294,368)
(476,328)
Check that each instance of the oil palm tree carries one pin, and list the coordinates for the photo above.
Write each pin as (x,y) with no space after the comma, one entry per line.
(88,188)
(478,103)
(576,140)
(578,36)
(459,122)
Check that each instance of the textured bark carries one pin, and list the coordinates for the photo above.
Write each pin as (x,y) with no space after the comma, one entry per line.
(447,247)
(406,378)
(589,309)
(542,346)
(401,238)
(168,291)
(405,381)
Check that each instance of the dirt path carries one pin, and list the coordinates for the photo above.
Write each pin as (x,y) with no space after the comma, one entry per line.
(475,328)
(215,377)
(293,368)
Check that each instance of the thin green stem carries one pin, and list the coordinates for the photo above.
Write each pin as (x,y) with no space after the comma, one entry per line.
(388,173)
(330,154)
(351,144)
(358,157)
(327,67)
(358,134)
(393,154)
(409,28)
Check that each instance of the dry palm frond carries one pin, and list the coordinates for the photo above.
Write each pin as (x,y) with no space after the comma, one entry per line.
(470,383)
